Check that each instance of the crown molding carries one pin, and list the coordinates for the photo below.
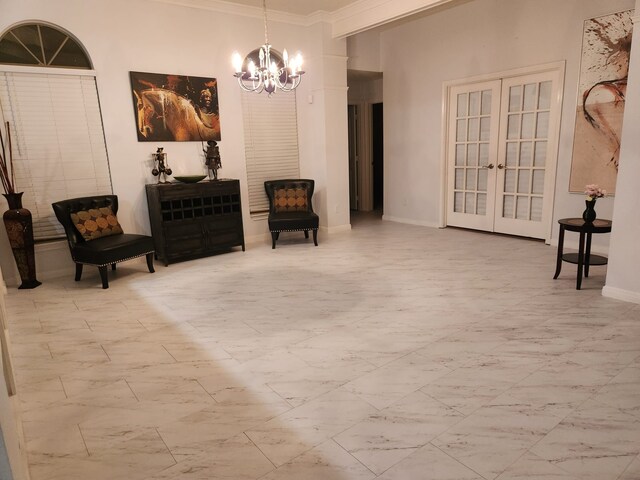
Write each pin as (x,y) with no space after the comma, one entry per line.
(354,18)
(365,14)
(231,8)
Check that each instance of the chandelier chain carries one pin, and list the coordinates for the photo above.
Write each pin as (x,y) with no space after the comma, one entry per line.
(266,34)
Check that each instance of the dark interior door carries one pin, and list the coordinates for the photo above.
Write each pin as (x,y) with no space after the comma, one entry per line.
(377,156)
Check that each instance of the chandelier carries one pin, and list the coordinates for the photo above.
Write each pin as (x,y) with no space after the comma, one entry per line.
(273,72)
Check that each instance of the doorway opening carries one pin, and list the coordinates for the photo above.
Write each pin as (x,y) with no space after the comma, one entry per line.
(366,145)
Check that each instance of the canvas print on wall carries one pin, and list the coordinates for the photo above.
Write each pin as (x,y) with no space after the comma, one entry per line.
(175,108)
(606,45)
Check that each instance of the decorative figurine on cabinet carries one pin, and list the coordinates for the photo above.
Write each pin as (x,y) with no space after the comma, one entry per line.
(161,165)
(212,158)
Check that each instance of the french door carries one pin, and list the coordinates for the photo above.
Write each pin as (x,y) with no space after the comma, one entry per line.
(501,154)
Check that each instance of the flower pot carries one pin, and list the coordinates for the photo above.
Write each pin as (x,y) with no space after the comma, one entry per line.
(589,215)
(19,225)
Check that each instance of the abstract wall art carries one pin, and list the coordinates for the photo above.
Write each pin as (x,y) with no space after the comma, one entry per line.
(606,46)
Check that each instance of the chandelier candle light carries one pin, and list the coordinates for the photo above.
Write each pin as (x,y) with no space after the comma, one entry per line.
(269,75)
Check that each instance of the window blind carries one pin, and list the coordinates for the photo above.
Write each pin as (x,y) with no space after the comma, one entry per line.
(271,143)
(59,150)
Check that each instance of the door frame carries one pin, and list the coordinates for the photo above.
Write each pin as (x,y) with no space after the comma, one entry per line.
(559,68)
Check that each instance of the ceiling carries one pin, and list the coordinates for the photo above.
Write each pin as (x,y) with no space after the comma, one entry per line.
(298,7)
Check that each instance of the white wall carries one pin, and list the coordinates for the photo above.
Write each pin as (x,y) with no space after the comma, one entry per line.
(9,405)
(147,36)
(480,37)
(623,272)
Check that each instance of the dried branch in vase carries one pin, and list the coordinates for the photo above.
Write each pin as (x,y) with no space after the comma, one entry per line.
(7,173)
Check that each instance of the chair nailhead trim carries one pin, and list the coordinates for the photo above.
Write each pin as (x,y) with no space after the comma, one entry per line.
(117,261)
(293,230)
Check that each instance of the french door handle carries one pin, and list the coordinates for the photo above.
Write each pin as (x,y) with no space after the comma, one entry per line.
(490,166)
(500,166)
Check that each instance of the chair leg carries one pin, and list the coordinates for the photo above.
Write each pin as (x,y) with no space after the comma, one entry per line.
(315,237)
(78,271)
(103,276)
(150,262)
(306,234)
(113,266)
(274,237)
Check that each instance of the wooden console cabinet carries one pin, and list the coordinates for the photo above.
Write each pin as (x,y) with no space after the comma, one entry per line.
(195,220)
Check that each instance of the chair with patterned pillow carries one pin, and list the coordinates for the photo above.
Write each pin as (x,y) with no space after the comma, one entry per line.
(95,236)
(290,208)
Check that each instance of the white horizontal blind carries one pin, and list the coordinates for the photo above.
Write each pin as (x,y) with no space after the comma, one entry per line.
(59,150)
(271,142)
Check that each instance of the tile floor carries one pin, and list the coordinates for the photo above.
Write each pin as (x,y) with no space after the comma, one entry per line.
(393,352)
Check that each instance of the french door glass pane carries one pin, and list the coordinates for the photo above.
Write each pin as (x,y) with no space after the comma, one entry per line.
(462,105)
(538,182)
(482,204)
(530,100)
(523,181)
(458,202)
(508,206)
(472,155)
(522,208)
(474,104)
(540,156)
(526,153)
(512,154)
(482,180)
(542,129)
(528,120)
(485,126)
(513,127)
(536,209)
(460,154)
(459,178)
(461,130)
(544,102)
(515,98)
(471,178)
(484,154)
(474,134)
(486,103)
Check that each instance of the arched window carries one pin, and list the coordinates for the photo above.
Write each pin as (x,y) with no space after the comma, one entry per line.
(42,45)
(48,95)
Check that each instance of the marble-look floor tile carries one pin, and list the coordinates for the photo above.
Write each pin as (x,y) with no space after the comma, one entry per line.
(302,428)
(418,363)
(594,442)
(494,437)
(531,466)
(429,463)
(389,383)
(386,437)
(326,461)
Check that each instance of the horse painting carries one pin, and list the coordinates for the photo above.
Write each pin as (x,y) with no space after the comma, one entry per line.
(163,115)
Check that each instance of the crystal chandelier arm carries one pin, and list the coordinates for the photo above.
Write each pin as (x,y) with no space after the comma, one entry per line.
(268,76)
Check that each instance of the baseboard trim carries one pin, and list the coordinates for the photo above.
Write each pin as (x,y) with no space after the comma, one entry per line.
(337,229)
(620,294)
(410,221)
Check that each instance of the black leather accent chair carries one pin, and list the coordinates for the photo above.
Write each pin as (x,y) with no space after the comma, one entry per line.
(290,208)
(103,251)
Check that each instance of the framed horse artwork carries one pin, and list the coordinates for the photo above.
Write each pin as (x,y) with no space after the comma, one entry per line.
(175,108)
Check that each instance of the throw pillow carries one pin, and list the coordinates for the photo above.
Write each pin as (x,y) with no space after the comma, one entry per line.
(290,200)
(96,223)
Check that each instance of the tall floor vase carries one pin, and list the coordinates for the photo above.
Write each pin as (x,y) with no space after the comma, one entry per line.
(19,225)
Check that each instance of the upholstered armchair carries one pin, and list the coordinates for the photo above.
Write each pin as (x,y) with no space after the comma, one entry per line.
(290,208)
(95,236)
